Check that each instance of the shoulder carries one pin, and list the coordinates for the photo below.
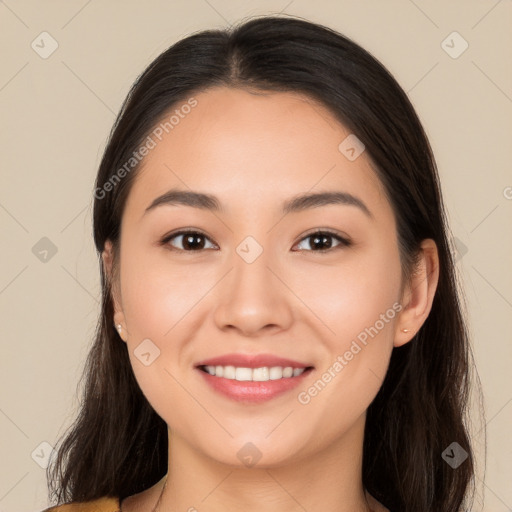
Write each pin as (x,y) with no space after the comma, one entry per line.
(105,504)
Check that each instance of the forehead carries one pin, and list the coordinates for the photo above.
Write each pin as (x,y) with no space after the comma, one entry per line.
(252,149)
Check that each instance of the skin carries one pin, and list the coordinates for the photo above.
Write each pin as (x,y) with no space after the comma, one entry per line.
(254,151)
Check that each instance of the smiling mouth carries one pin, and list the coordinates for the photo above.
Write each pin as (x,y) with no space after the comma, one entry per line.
(263,374)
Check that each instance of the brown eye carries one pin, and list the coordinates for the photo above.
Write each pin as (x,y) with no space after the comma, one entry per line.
(189,240)
(321,241)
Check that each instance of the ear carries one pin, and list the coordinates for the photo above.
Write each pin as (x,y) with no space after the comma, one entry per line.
(419,294)
(119,319)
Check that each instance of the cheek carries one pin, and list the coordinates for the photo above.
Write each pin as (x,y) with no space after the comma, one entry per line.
(158,294)
(158,303)
(358,302)
(356,306)
(162,303)
(349,296)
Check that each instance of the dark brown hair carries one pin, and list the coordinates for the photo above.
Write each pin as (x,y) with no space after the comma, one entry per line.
(118,444)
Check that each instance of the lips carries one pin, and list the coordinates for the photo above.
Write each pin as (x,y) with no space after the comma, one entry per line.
(252,391)
(252,361)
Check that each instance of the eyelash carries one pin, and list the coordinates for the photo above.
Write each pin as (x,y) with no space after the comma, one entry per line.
(344,242)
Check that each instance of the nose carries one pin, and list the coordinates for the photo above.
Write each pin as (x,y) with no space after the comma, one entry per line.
(253,298)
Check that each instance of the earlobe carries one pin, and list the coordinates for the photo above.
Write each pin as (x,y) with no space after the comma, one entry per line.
(122,332)
(419,294)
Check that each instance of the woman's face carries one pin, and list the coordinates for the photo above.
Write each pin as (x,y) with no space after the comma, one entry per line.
(255,281)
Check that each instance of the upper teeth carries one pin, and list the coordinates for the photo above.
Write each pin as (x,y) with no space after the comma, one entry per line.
(254,374)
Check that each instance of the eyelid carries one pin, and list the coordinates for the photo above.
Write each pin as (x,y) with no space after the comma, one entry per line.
(184,231)
(345,241)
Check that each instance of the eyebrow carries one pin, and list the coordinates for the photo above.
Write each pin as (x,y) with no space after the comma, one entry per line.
(296,204)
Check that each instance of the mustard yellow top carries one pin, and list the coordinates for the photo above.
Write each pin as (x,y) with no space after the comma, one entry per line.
(106,504)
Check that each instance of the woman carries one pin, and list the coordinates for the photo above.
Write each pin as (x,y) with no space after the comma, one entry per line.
(280,326)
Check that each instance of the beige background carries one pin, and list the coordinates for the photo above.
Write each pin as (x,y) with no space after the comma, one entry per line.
(57,112)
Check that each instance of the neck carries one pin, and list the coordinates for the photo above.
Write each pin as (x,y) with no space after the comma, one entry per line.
(329,481)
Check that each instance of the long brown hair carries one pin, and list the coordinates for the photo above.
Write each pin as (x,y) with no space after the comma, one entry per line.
(118,444)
